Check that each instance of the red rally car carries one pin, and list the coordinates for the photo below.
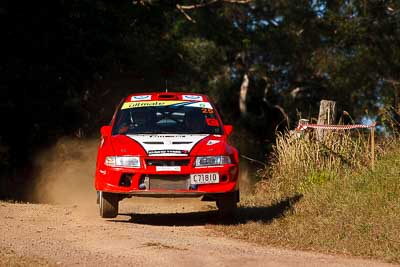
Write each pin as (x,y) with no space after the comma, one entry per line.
(166,145)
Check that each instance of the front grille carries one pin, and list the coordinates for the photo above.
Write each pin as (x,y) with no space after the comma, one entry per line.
(169,182)
(169,162)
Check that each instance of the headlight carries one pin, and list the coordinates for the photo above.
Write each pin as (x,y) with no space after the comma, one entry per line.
(124,161)
(212,160)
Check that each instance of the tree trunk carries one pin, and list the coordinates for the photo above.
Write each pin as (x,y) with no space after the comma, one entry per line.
(327,115)
(243,95)
(396,105)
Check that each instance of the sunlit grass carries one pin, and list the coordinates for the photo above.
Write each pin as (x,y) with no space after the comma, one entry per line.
(333,201)
(300,161)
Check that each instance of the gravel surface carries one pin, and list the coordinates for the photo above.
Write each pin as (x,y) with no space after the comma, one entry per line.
(148,232)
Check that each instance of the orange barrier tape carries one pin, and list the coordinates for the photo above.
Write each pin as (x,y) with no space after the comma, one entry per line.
(304,126)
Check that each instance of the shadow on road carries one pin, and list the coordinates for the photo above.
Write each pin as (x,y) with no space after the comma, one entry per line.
(243,215)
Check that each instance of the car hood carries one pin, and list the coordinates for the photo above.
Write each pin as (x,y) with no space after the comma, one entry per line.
(170,144)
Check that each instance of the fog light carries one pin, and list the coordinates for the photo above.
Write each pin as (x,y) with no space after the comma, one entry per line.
(224,178)
(126,179)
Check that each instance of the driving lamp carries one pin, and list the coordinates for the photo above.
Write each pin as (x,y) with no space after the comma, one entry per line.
(212,160)
(122,161)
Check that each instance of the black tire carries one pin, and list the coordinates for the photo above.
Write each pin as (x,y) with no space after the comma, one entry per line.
(108,204)
(227,204)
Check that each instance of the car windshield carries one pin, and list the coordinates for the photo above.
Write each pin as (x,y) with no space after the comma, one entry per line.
(177,117)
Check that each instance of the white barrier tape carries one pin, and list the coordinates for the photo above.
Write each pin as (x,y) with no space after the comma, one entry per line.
(303,126)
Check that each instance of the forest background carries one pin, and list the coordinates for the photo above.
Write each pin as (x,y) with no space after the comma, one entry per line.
(65,64)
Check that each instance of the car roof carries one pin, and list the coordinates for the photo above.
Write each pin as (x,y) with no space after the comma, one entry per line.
(167,96)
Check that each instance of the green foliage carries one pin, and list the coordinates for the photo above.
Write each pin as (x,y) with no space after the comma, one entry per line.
(202,57)
(59,57)
(316,178)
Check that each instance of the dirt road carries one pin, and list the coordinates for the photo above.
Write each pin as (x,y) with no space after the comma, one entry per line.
(148,232)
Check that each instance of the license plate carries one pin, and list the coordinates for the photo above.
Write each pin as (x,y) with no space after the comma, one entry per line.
(204,178)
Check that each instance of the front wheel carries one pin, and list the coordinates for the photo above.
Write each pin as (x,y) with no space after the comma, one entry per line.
(227,204)
(108,204)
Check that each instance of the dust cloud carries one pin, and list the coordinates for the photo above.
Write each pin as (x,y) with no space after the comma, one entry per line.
(66,172)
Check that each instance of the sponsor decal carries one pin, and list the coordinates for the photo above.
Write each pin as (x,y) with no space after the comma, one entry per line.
(207,111)
(200,105)
(160,136)
(212,122)
(140,97)
(192,97)
(168,151)
(168,168)
(212,142)
(138,104)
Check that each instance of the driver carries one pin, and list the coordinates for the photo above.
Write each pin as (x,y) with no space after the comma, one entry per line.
(194,120)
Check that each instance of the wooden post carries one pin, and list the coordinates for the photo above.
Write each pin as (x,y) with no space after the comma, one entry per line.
(243,95)
(327,115)
(373,147)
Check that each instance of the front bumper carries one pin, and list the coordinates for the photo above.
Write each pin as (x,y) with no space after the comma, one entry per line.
(129,180)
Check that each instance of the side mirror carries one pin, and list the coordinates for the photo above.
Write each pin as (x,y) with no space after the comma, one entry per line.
(228,129)
(105,131)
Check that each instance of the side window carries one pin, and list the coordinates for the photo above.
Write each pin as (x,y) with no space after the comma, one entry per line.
(218,110)
(116,117)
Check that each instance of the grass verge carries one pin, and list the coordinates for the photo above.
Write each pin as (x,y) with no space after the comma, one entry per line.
(351,211)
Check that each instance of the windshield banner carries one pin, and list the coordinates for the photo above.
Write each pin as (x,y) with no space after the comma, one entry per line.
(142,104)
